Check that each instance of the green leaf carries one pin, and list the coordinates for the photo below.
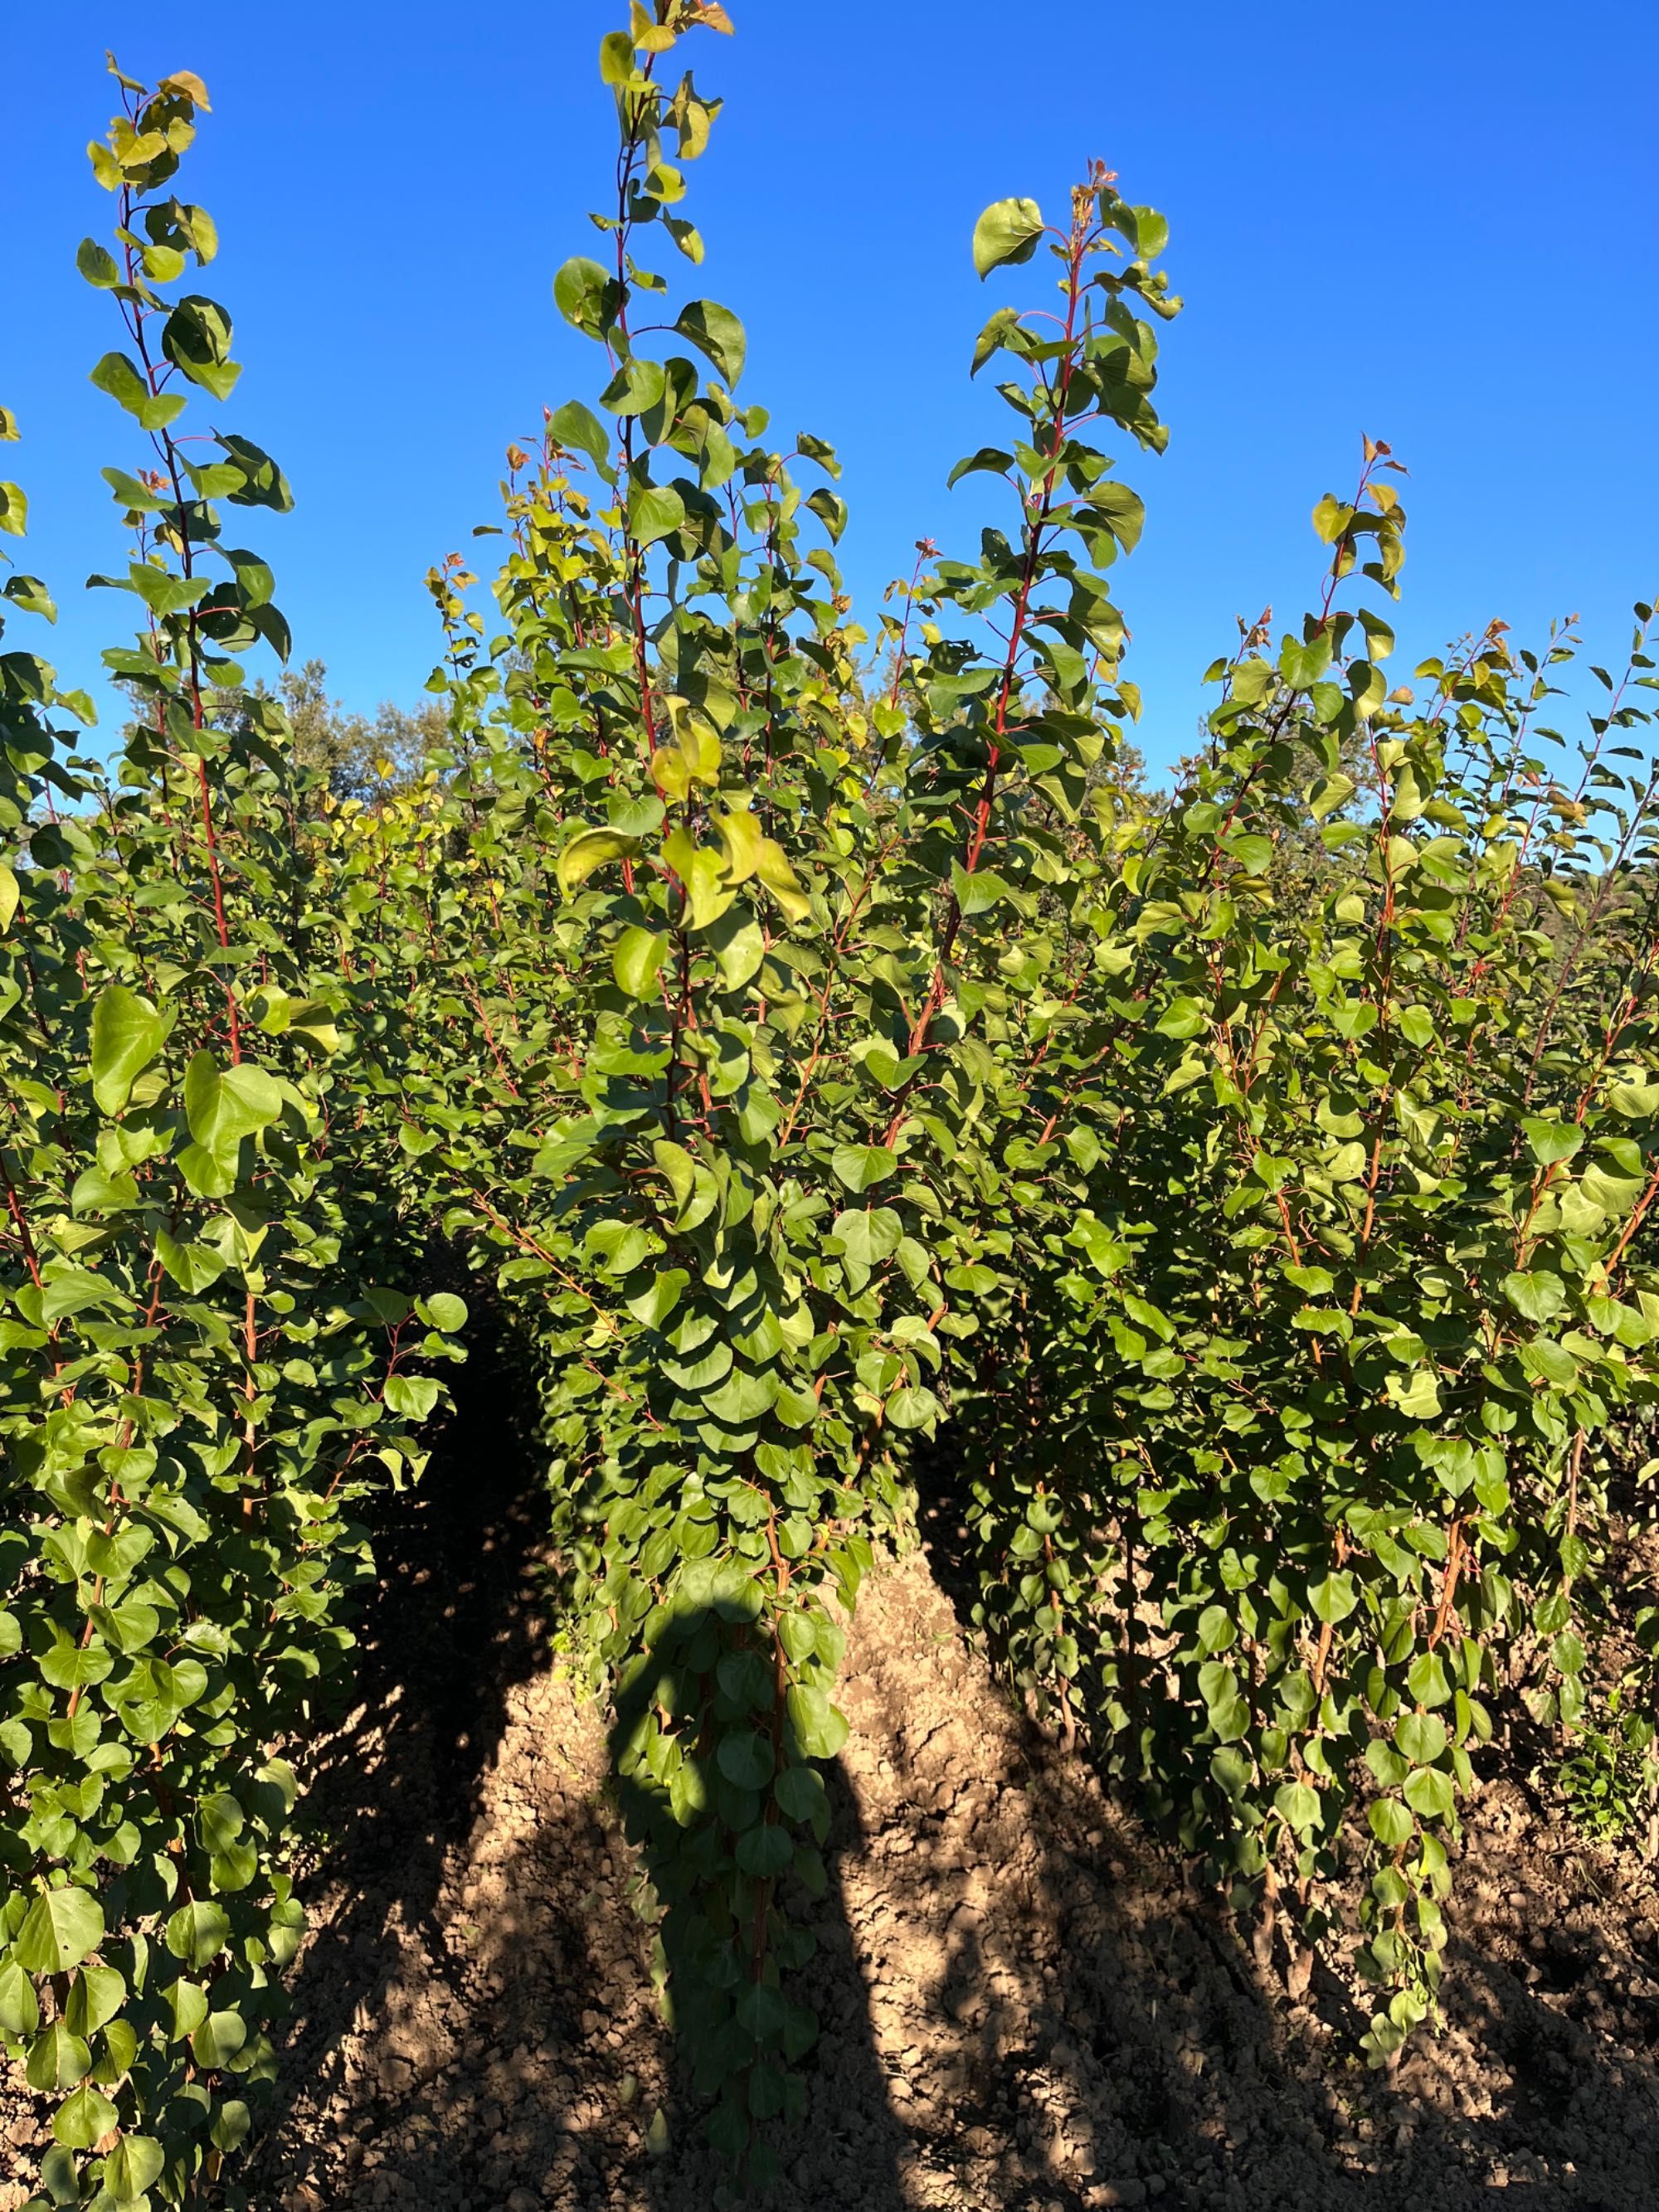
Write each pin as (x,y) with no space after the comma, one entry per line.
(1425,1679)
(211,479)
(716,334)
(989,459)
(830,510)
(995,334)
(187,2002)
(220,1821)
(1551,1364)
(127,1033)
(744,1758)
(1123,511)
(1145,229)
(232,2121)
(412,1397)
(84,2118)
(590,849)
(1302,666)
(192,1267)
(615,58)
(586,295)
(651,1307)
(1421,1737)
(1299,1806)
(1429,1793)
(763,1851)
(858,1166)
(799,1792)
(1390,1823)
(195,338)
(1538,1293)
(57,2059)
(20,2008)
(740,951)
(197,1932)
(678,1165)
(636,387)
(255,581)
(60,1928)
(1550,1141)
(120,377)
(76,1290)
(579,431)
(911,1407)
(741,1399)
(59,2178)
(133,2166)
(97,265)
(819,1729)
(1006,232)
(97,1191)
(264,483)
(29,593)
(655,510)
(219,2038)
(223,1106)
(162,592)
(1635,1101)
(977,891)
(1334,1599)
(98,1991)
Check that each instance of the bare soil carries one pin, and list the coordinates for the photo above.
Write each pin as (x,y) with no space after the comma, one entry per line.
(1022,2005)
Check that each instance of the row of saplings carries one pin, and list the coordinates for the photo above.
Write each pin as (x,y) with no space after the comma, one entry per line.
(1257,1177)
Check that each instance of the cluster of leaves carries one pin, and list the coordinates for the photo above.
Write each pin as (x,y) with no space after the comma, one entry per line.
(1274,1163)
(1306,1462)
(1258,1178)
(1607,1778)
(714,1065)
(197,1385)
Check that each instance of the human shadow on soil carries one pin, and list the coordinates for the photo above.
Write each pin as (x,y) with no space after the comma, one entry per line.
(473,2022)
(846,2148)
(445,2057)
(1189,2065)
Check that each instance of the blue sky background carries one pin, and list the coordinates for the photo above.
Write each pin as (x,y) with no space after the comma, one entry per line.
(1436,223)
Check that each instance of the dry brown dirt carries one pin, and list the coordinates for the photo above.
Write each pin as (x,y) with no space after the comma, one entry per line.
(1022,2006)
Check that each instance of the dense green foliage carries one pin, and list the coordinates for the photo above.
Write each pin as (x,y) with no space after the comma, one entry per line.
(1313,1443)
(1246,1188)
(197,1375)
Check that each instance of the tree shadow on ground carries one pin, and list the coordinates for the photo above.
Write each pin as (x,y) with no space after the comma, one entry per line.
(455,1621)
(1159,2054)
(1022,2007)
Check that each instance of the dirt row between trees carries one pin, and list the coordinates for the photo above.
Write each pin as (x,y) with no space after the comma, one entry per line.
(1022,2006)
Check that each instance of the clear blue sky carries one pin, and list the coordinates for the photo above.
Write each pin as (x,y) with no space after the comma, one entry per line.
(1436,223)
